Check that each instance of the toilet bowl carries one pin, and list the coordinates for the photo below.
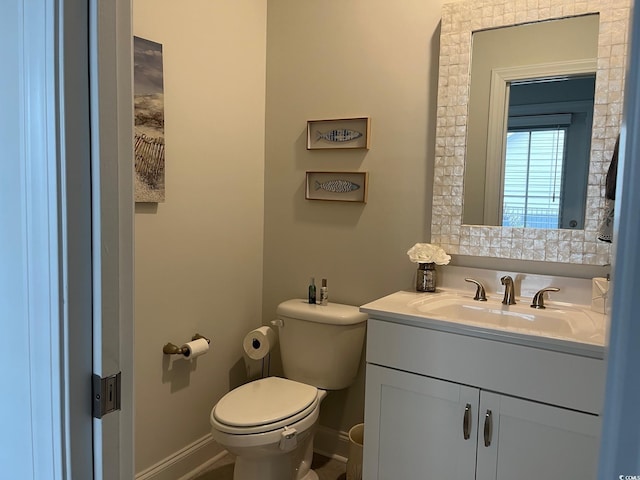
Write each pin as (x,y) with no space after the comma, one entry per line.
(269,423)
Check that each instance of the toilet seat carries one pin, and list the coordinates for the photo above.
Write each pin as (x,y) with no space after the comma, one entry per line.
(264,405)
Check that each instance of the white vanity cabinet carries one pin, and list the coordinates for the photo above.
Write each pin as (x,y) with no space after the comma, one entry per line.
(442,405)
(413,427)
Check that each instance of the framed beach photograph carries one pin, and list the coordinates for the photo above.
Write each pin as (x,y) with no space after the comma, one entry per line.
(338,133)
(337,186)
(148,98)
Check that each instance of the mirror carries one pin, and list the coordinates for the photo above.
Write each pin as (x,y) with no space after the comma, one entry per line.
(459,22)
(541,98)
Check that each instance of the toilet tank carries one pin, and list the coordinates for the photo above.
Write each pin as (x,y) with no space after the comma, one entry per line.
(321,345)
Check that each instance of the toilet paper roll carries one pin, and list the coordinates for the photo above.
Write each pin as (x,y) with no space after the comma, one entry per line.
(259,342)
(195,348)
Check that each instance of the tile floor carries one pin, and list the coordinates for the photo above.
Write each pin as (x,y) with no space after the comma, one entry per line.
(326,468)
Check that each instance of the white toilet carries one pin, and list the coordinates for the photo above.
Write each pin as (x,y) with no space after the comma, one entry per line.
(269,423)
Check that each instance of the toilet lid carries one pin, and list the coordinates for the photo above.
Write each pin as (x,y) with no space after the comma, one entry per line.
(265,401)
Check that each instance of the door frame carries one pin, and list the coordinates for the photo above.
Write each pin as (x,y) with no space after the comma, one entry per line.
(111,107)
(76,151)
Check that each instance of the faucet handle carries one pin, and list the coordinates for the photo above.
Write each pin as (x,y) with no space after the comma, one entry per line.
(538,298)
(481,295)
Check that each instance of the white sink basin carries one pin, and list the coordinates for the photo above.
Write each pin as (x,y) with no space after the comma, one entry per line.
(556,320)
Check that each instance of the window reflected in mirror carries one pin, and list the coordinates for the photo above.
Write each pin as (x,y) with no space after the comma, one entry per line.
(533,168)
(546,164)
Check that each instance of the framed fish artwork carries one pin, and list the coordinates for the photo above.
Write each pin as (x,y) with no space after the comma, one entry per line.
(337,186)
(338,133)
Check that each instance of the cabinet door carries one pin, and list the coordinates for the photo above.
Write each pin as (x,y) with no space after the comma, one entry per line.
(533,441)
(414,427)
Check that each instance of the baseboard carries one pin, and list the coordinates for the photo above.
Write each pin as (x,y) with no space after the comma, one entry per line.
(186,463)
(331,443)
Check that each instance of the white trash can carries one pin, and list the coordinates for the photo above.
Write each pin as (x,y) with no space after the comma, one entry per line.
(354,462)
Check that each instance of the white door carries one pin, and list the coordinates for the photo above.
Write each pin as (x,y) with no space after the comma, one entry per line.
(529,441)
(65,241)
(416,427)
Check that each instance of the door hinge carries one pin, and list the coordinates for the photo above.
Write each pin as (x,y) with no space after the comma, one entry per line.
(105,394)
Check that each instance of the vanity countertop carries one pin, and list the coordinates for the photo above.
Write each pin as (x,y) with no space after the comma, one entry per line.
(563,327)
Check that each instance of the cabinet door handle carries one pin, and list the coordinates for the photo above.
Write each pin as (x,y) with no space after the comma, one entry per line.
(488,428)
(466,422)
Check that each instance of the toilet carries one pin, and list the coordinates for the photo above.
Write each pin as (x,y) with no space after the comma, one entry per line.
(269,423)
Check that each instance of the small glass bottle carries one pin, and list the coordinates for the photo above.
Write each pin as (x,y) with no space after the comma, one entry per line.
(324,293)
(312,291)
(426,277)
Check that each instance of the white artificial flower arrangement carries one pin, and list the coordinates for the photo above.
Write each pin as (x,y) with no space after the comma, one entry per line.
(428,253)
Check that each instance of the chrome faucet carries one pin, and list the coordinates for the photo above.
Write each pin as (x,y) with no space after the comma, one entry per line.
(481,295)
(509,294)
(538,298)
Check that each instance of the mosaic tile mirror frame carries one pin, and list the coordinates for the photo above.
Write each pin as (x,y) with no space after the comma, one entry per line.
(459,21)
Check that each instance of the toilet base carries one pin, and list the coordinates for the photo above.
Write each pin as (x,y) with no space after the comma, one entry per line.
(255,464)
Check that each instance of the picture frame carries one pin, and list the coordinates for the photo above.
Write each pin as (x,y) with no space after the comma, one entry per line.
(149,138)
(337,186)
(339,133)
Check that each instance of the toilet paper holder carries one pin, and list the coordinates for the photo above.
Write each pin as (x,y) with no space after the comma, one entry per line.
(171,349)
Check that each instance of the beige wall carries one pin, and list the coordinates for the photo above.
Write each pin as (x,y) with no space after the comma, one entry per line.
(199,255)
(335,59)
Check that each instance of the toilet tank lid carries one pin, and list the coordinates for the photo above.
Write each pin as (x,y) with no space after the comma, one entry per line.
(333,313)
